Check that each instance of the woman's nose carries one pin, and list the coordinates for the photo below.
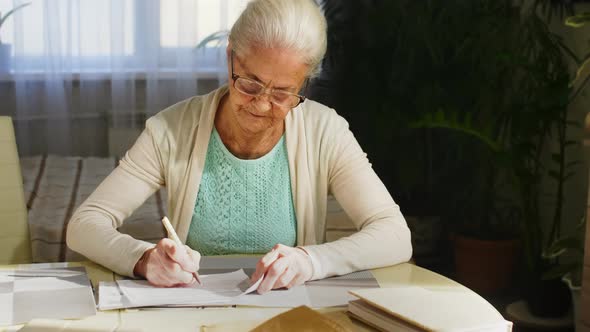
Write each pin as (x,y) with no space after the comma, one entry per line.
(263,103)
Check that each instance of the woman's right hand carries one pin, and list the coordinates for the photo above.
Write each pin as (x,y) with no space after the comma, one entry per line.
(168,265)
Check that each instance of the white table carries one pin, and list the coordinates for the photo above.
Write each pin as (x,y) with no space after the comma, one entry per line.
(218,319)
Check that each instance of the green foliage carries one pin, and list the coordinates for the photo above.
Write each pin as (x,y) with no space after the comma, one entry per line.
(518,132)
(574,246)
(455,102)
(578,21)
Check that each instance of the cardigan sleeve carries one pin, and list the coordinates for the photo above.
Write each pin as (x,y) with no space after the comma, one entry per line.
(92,230)
(383,238)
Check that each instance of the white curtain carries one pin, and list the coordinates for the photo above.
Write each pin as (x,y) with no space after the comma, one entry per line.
(80,66)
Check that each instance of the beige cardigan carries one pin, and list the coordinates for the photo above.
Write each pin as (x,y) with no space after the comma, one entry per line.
(323,157)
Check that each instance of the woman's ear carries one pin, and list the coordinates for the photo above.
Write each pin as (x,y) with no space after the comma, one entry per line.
(228,50)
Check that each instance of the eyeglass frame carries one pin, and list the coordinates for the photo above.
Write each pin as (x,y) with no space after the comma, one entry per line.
(235,76)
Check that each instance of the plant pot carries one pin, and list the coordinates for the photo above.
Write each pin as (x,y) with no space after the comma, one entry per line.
(485,266)
(547,298)
(575,291)
(5,58)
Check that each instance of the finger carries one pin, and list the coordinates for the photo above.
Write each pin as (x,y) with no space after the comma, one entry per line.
(170,271)
(296,281)
(286,278)
(272,274)
(194,256)
(179,255)
(282,249)
(263,264)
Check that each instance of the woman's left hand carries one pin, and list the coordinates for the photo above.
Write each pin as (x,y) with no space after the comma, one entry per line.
(283,266)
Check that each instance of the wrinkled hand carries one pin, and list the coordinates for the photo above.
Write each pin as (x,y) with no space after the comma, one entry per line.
(283,266)
(168,265)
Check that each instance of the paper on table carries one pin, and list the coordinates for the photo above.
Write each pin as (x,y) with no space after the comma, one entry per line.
(47,293)
(56,273)
(228,289)
(216,289)
(279,298)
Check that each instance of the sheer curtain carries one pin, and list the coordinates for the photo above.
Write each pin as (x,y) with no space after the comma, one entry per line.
(82,67)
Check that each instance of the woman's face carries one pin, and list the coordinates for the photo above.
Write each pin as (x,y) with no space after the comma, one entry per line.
(275,69)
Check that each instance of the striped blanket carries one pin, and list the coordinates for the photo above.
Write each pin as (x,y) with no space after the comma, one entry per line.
(54,187)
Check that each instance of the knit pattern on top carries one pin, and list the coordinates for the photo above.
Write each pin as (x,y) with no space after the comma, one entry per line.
(243,206)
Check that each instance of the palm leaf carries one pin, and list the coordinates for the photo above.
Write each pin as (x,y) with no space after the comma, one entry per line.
(12,11)
(217,37)
(578,20)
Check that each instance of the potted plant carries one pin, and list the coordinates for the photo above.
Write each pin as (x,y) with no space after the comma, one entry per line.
(6,49)
(516,137)
(536,96)
(572,248)
(388,64)
(400,71)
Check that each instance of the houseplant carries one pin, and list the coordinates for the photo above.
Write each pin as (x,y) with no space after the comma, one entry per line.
(390,63)
(6,49)
(518,134)
(572,247)
(455,103)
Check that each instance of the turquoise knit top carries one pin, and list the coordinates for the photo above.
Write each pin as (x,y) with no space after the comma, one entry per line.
(243,206)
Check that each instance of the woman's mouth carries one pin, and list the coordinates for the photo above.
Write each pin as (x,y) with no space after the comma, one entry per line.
(255,115)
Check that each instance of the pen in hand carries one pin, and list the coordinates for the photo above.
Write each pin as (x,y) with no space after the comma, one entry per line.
(172,235)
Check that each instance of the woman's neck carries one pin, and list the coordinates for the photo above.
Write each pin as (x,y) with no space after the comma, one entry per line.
(241,143)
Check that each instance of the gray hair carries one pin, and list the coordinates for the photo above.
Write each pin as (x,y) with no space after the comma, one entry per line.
(297,25)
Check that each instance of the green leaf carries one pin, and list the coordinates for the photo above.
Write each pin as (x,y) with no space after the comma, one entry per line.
(581,74)
(574,124)
(568,175)
(468,120)
(573,163)
(578,20)
(439,116)
(556,157)
(566,243)
(554,174)
(559,271)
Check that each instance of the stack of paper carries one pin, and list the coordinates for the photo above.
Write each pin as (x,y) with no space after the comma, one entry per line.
(414,308)
(44,293)
(232,288)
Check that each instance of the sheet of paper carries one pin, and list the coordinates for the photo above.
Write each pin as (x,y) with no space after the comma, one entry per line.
(45,293)
(110,297)
(333,291)
(56,273)
(229,288)
(216,289)
(279,298)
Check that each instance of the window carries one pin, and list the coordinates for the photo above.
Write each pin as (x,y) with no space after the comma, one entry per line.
(126,35)
(212,16)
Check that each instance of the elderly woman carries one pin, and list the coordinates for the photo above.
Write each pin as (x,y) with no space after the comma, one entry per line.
(248,168)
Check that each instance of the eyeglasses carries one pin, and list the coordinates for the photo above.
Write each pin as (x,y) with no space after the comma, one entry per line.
(254,88)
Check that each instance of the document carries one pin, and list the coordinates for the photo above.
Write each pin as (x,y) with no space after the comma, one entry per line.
(413,308)
(216,289)
(232,288)
(61,293)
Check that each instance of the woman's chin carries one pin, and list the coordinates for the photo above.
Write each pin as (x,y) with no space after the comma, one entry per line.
(253,123)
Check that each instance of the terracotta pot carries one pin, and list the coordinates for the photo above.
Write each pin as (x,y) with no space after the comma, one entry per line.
(484,266)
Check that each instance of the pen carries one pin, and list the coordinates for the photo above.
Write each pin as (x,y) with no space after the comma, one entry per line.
(172,234)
